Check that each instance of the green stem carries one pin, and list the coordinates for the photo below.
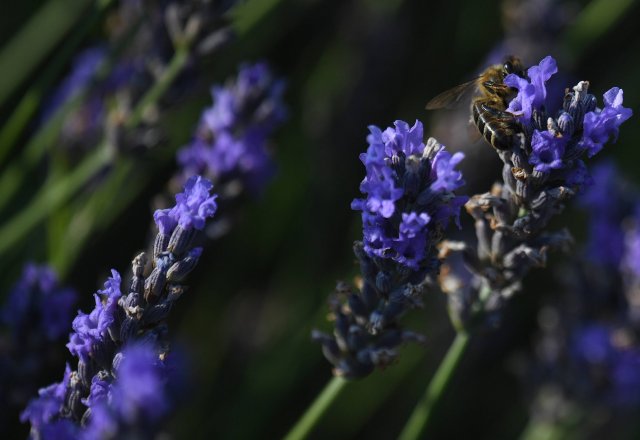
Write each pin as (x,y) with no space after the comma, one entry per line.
(422,412)
(30,101)
(36,39)
(59,192)
(317,409)
(50,197)
(543,431)
(19,169)
(595,20)
(572,425)
(93,212)
(177,63)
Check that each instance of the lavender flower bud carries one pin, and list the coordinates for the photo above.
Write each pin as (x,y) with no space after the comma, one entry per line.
(180,269)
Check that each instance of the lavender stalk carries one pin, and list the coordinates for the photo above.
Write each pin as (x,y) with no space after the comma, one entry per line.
(542,172)
(409,203)
(410,200)
(231,146)
(187,36)
(126,335)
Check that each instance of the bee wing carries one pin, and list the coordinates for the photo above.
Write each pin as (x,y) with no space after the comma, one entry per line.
(452,98)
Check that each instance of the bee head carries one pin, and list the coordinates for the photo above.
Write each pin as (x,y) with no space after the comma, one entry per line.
(513,65)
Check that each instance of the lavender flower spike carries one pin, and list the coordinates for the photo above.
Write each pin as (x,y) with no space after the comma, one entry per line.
(118,389)
(402,171)
(542,171)
(33,321)
(558,142)
(230,144)
(38,301)
(408,203)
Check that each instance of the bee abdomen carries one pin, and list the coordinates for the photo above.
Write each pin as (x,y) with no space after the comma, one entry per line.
(496,126)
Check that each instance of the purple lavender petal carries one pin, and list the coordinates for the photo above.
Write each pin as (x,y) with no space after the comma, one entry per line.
(193,207)
(547,151)
(41,410)
(533,93)
(601,125)
(91,329)
(447,177)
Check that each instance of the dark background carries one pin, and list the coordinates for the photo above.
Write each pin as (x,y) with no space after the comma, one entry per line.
(259,291)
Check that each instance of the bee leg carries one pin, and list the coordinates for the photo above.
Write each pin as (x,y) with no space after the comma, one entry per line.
(499,115)
(496,88)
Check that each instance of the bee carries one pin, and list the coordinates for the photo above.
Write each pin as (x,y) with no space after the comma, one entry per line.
(488,108)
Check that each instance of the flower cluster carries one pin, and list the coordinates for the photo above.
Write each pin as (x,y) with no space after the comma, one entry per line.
(409,194)
(580,127)
(542,171)
(609,201)
(33,320)
(134,400)
(102,95)
(532,27)
(38,304)
(609,359)
(587,350)
(140,43)
(117,387)
(409,202)
(230,143)
(83,71)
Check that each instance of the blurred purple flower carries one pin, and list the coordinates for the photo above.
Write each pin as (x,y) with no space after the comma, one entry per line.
(38,303)
(618,366)
(136,397)
(608,202)
(85,66)
(232,136)
(601,125)
(50,400)
(631,256)
(98,392)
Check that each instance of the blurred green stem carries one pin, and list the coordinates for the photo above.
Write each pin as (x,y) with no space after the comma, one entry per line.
(51,197)
(572,425)
(60,191)
(97,209)
(30,102)
(13,176)
(592,23)
(46,28)
(175,66)
(543,431)
(423,411)
(314,413)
